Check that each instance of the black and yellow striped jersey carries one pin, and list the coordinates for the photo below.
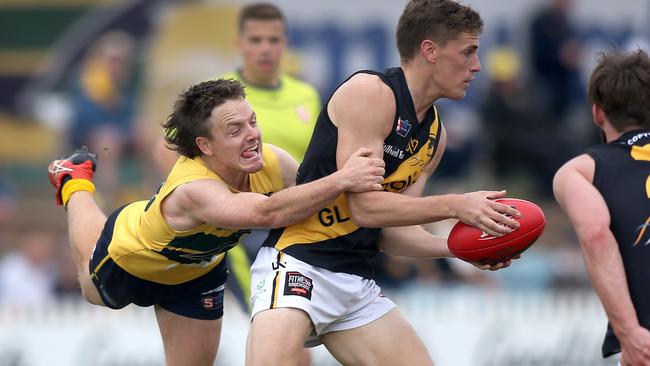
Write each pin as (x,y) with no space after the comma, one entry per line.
(144,244)
(329,239)
(622,176)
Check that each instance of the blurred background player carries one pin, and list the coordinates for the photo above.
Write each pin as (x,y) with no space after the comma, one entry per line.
(606,194)
(286,107)
(102,107)
(169,251)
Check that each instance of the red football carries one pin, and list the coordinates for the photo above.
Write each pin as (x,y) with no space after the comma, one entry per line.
(472,245)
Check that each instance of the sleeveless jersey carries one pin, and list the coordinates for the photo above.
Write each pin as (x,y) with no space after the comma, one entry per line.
(144,244)
(286,114)
(329,239)
(622,176)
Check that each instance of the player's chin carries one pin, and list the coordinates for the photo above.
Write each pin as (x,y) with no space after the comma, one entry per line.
(252,166)
(458,95)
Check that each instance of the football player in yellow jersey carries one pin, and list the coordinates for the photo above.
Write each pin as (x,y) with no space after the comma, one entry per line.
(168,251)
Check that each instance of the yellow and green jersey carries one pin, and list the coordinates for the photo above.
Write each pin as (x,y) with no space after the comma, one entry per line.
(146,246)
(286,114)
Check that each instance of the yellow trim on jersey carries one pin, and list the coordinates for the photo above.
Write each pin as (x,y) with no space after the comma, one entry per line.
(99,266)
(146,246)
(642,153)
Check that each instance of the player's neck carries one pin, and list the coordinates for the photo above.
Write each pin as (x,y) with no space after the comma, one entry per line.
(270,81)
(611,134)
(235,179)
(420,88)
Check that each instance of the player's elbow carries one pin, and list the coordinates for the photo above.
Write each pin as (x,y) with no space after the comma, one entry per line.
(362,217)
(273,218)
(269,220)
(594,236)
(278,221)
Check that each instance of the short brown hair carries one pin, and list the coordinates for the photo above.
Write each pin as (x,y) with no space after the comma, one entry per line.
(620,86)
(437,20)
(259,11)
(191,115)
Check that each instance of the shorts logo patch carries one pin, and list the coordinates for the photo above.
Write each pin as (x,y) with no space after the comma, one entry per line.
(213,301)
(297,284)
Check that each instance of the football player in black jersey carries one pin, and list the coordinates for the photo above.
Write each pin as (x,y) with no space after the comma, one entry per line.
(606,194)
(312,282)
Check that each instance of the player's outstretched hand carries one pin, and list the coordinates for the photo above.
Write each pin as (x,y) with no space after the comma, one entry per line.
(479,209)
(362,173)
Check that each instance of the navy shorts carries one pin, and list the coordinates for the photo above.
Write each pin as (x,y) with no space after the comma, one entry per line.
(200,298)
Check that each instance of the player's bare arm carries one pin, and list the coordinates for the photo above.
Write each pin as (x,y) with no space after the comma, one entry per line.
(212,201)
(590,217)
(367,121)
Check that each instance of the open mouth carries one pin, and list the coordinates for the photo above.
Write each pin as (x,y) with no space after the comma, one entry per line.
(251,152)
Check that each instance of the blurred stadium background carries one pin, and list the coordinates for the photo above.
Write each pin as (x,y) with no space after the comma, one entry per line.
(540,311)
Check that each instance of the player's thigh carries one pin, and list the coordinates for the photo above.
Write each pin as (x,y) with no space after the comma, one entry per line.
(188,341)
(277,337)
(389,340)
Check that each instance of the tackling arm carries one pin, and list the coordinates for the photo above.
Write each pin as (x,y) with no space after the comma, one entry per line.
(212,202)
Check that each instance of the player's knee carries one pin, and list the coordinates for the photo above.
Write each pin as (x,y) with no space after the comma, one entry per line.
(89,291)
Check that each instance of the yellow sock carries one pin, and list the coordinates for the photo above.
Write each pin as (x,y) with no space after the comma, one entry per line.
(75,185)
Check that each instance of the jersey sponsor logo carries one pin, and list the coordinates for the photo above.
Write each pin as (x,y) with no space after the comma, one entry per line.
(329,217)
(637,137)
(403,127)
(400,185)
(394,151)
(297,284)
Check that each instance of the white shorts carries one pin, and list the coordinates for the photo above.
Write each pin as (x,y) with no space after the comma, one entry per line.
(334,301)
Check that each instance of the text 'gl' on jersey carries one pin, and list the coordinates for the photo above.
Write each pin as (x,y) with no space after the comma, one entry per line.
(622,176)
(144,244)
(329,239)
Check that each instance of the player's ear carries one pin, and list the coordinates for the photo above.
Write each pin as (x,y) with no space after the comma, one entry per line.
(598,115)
(429,50)
(204,145)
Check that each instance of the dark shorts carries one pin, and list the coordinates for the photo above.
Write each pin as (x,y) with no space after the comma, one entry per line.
(201,298)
